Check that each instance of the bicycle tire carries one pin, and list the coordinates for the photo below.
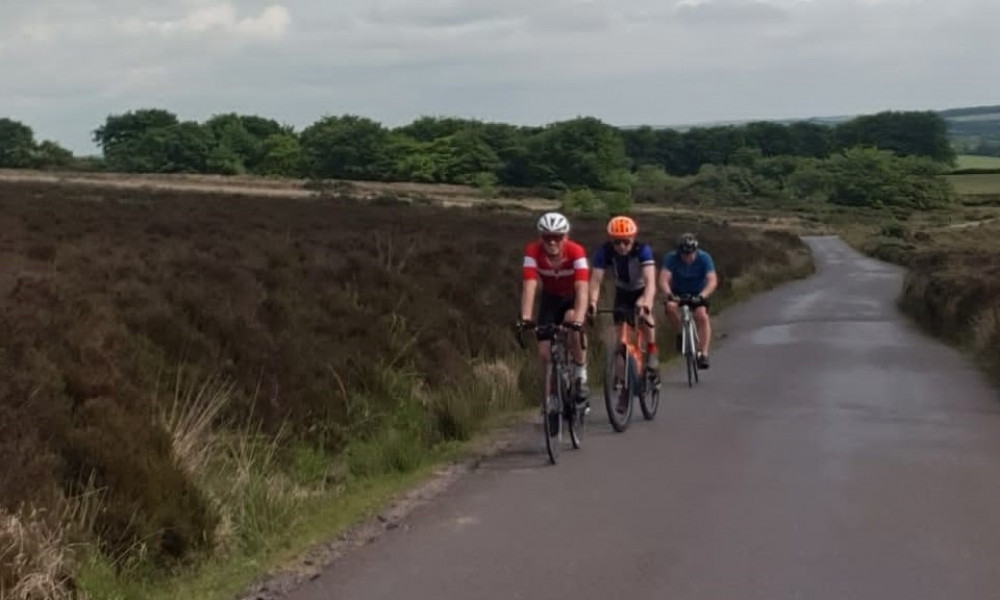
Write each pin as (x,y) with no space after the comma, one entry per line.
(692,368)
(552,414)
(619,421)
(649,400)
(576,420)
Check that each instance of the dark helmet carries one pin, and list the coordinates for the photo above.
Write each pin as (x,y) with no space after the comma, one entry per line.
(687,243)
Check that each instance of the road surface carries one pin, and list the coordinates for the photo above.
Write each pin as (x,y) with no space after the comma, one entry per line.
(832,452)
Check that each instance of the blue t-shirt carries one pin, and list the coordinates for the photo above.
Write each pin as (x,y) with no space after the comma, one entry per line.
(628,267)
(688,278)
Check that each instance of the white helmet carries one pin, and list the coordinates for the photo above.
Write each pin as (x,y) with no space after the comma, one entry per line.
(553,222)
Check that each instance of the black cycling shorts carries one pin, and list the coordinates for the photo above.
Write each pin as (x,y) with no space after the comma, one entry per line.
(552,310)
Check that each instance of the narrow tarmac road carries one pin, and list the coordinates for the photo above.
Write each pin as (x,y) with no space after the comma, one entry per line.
(832,452)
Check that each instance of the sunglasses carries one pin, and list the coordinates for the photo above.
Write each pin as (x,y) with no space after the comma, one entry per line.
(553,238)
(622,242)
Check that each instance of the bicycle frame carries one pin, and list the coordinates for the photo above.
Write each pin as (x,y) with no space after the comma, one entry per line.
(558,401)
(626,373)
(689,337)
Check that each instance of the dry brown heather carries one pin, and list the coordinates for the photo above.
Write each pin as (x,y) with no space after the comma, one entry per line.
(307,306)
(953,284)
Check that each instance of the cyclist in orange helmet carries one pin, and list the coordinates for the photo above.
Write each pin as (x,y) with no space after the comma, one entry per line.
(634,266)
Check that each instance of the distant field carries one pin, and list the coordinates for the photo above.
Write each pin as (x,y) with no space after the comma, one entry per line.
(972,161)
(976,185)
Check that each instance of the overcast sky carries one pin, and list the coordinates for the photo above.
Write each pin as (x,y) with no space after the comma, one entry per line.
(67,64)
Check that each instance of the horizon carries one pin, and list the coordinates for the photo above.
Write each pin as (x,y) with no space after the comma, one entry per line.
(94,149)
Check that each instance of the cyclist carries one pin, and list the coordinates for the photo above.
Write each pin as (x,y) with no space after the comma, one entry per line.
(634,268)
(689,270)
(561,266)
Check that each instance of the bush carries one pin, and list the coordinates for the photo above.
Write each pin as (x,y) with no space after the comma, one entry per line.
(150,503)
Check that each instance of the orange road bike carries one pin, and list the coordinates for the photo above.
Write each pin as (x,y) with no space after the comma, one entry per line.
(625,375)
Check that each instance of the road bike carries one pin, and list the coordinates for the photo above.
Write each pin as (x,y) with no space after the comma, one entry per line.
(560,390)
(626,376)
(689,334)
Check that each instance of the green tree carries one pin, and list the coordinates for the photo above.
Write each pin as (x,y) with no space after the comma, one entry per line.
(809,181)
(811,139)
(281,155)
(874,178)
(468,155)
(179,148)
(428,129)
(49,154)
(653,184)
(119,129)
(17,144)
(239,141)
(583,152)
(346,147)
(910,133)
(771,139)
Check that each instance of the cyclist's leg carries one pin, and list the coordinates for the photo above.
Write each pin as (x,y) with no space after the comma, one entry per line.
(548,314)
(673,311)
(623,315)
(647,336)
(576,347)
(704,326)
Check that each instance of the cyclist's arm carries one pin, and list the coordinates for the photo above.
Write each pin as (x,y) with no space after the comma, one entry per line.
(648,263)
(649,276)
(711,279)
(529,275)
(581,286)
(581,281)
(711,282)
(528,298)
(596,279)
(665,277)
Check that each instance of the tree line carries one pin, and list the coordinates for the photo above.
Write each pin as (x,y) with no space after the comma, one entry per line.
(574,153)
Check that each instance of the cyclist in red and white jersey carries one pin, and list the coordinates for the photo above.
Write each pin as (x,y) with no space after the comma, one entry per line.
(560,265)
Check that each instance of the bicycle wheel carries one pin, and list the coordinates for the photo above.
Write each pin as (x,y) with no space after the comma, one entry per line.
(552,414)
(576,418)
(690,355)
(618,388)
(649,400)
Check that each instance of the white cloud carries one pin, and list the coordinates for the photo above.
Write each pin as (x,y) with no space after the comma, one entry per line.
(271,23)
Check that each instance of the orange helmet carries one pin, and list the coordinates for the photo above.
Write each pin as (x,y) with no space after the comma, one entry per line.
(620,227)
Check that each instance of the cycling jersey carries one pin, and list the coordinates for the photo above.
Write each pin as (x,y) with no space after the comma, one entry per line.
(627,267)
(688,278)
(557,279)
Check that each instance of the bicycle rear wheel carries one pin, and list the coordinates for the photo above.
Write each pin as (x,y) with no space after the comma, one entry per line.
(552,414)
(576,420)
(619,386)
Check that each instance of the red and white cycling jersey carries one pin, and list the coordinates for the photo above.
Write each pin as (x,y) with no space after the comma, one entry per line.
(557,279)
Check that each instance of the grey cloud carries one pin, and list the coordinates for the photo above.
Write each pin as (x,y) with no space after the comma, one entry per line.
(710,12)
(513,60)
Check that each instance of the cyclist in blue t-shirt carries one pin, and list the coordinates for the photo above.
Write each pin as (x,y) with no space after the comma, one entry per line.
(634,267)
(689,271)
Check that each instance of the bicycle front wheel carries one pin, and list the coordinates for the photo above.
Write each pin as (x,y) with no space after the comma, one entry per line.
(618,388)
(649,400)
(690,357)
(552,414)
